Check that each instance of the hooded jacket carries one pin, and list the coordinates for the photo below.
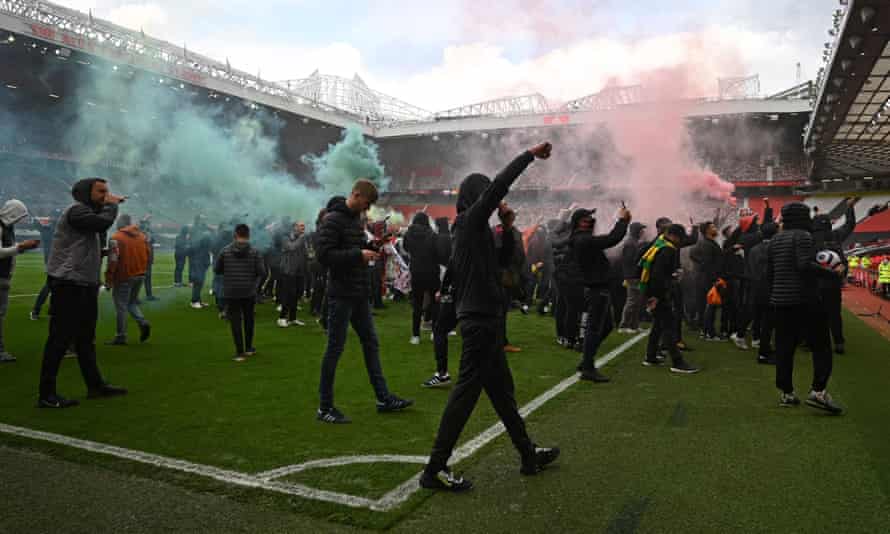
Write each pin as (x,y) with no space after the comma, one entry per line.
(341,239)
(76,256)
(792,271)
(128,255)
(12,213)
(242,269)
(420,242)
(588,252)
(181,245)
(825,238)
(294,260)
(476,286)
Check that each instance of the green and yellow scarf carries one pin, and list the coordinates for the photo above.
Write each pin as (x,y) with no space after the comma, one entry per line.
(649,257)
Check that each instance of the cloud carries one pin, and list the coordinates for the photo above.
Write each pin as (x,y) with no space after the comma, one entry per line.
(150,17)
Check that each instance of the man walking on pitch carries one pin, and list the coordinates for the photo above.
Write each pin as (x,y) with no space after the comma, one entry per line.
(73,273)
(241,268)
(479,298)
(12,212)
(345,251)
(128,261)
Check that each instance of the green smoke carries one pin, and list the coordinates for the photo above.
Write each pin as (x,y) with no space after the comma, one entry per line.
(352,158)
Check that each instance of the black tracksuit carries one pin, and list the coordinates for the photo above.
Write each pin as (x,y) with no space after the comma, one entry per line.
(420,242)
(756,267)
(792,273)
(824,238)
(707,256)
(478,295)
(588,252)
(664,318)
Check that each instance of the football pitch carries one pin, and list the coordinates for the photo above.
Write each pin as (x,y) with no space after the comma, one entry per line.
(649,452)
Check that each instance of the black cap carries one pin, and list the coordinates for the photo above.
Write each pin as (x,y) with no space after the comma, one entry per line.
(677,230)
(581,213)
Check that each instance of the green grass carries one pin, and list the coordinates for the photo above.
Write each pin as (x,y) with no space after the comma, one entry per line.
(649,452)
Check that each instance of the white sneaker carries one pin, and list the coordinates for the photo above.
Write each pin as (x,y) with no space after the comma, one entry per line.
(452,333)
(755,343)
(432,336)
(297,322)
(196,305)
(278,308)
(415,340)
(739,342)
(282,323)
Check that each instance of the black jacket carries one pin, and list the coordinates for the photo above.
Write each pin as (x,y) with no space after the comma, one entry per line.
(792,271)
(756,267)
(661,275)
(242,268)
(561,245)
(824,238)
(443,242)
(341,239)
(477,288)
(631,251)
(587,251)
(708,259)
(420,242)
(181,245)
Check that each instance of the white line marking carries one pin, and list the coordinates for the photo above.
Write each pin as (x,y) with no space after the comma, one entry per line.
(223,475)
(409,487)
(265,480)
(339,461)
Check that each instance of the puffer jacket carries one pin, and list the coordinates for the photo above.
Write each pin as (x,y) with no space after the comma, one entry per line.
(294,260)
(242,268)
(341,239)
(76,257)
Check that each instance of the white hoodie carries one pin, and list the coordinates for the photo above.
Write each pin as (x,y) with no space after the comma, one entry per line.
(12,212)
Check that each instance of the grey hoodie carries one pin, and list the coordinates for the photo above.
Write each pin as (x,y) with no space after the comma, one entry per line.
(76,257)
(12,213)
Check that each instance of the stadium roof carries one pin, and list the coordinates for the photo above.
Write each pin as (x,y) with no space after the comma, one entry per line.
(849,131)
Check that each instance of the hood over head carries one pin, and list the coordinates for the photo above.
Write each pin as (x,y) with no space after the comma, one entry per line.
(82,191)
(442,225)
(636,230)
(421,218)
(470,190)
(796,216)
(13,212)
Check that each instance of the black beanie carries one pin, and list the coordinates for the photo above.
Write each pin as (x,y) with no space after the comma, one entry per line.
(796,216)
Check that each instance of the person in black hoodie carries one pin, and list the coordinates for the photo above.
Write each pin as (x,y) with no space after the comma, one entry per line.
(756,267)
(793,275)
(564,314)
(73,273)
(180,254)
(825,238)
(659,293)
(420,242)
(241,267)
(512,263)
(446,317)
(707,258)
(588,251)
(317,272)
(345,251)
(478,295)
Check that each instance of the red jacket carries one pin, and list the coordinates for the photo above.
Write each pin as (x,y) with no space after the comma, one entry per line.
(128,255)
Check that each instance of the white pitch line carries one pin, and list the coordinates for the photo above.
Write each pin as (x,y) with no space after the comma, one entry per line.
(265,480)
(340,461)
(411,486)
(222,475)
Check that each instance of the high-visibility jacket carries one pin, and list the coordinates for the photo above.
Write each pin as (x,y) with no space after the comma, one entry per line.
(853,262)
(866,262)
(884,272)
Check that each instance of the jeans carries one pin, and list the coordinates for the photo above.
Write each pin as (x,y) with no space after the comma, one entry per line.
(41,298)
(446,321)
(73,310)
(180,265)
(343,311)
(630,317)
(126,300)
(802,322)
(197,277)
(710,320)
(241,311)
(148,288)
(598,326)
(483,365)
(4,307)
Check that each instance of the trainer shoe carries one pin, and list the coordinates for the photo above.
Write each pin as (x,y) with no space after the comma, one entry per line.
(282,323)
(144,332)
(57,402)
(445,480)
(34,316)
(239,358)
(106,390)
(6,357)
(755,343)
(197,305)
(657,361)
(593,375)
(683,367)
(512,348)
(452,333)
(250,352)
(116,342)
(438,381)
(543,456)
(524,309)
(788,400)
(739,342)
(766,359)
(393,404)
(426,325)
(278,308)
(297,322)
(415,340)
(823,401)
(332,416)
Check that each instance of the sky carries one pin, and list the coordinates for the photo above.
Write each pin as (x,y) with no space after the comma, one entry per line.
(443,54)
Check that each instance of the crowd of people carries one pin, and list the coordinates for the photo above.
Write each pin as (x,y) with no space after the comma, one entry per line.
(775,281)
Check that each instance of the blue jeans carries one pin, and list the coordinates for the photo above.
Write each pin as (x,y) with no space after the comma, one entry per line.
(125,295)
(341,312)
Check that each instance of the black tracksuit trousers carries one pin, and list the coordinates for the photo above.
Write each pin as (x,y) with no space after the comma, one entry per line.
(483,365)
(802,322)
(446,321)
